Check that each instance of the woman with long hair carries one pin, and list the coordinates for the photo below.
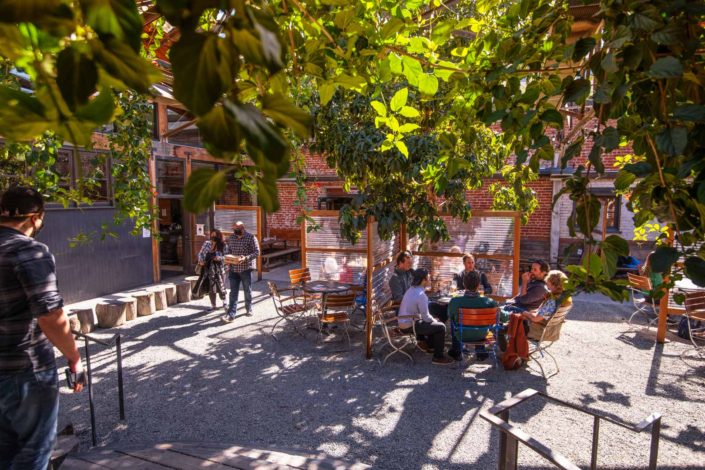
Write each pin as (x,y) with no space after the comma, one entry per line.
(211,258)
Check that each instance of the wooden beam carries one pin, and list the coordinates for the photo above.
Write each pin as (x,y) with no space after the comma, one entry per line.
(517,253)
(162,122)
(152,171)
(368,304)
(663,304)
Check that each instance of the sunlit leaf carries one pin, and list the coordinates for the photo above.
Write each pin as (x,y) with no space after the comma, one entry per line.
(203,188)
(399,99)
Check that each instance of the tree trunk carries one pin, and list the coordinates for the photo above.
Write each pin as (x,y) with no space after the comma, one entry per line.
(145,303)
(111,313)
(183,291)
(85,316)
(159,297)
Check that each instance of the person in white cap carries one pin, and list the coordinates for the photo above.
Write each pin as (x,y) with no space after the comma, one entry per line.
(244,250)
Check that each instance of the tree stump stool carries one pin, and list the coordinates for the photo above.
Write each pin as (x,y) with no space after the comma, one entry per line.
(160,301)
(170,292)
(111,313)
(85,316)
(193,280)
(145,303)
(131,310)
(183,291)
(74,323)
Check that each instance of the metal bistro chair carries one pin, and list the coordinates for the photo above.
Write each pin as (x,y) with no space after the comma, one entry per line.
(358,316)
(386,318)
(288,308)
(640,286)
(478,320)
(542,336)
(336,308)
(695,311)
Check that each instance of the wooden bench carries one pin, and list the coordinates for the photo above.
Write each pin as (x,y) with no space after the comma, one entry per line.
(276,258)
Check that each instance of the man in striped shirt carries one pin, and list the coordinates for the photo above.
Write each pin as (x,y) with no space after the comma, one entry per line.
(243,246)
(31,319)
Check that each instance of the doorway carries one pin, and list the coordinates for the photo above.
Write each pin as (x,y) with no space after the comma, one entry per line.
(171,232)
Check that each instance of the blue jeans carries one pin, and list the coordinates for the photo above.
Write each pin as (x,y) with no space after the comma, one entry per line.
(29,409)
(235,279)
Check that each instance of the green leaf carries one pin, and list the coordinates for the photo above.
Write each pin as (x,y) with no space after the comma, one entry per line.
(399,99)
(406,128)
(77,77)
(624,180)
(126,67)
(218,128)
(553,116)
(412,70)
(616,244)
(640,169)
(351,82)
(582,47)
(572,150)
(695,270)
(12,43)
(409,112)
(587,213)
(401,146)
(203,188)
(609,64)
(114,18)
(271,46)
(258,131)
(22,11)
(22,116)
(690,112)
(577,91)
(283,112)
(395,64)
(100,110)
(672,141)
(666,67)
(201,67)
(267,194)
(663,258)
(611,139)
(428,84)
(326,90)
(379,108)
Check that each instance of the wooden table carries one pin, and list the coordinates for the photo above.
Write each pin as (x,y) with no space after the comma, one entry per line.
(193,455)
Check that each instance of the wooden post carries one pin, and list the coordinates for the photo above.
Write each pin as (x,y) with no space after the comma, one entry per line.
(303,243)
(368,304)
(404,242)
(517,253)
(152,170)
(259,237)
(663,304)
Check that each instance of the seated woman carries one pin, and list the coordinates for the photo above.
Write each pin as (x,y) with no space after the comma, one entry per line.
(536,320)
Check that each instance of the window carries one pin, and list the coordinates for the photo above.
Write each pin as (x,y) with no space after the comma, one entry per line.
(94,170)
(610,203)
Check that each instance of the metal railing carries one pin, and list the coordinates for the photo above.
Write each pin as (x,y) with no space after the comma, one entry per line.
(115,340)
(511,436)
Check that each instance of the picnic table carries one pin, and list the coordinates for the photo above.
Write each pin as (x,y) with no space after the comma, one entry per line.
(190,455)
(277,251)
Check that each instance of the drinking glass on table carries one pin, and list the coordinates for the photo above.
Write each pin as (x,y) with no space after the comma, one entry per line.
(481,290)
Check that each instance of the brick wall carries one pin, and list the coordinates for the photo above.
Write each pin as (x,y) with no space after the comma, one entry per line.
(316,164)
(539,225)
(285,217)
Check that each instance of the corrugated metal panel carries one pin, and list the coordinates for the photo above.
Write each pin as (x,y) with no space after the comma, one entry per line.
(225,218)
(383,249)
(380,285)
(98,267)
(343,267)
(328,235)
(442,269)
(479,235)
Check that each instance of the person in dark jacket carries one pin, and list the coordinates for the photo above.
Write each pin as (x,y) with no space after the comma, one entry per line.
(533,289)
(469,266)
(211,259)
(400,280)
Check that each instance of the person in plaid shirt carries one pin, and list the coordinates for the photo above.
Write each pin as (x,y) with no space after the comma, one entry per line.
(245,248)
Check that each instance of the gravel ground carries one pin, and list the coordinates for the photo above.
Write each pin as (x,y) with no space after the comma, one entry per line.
(190,377)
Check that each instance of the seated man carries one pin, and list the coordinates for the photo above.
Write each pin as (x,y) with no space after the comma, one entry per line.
(469,264)
(415,303)
(533,291)
(470,299)
(535,321)
(400,280)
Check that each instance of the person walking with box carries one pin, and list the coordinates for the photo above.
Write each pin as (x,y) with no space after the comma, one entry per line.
(31,320)
(243,249)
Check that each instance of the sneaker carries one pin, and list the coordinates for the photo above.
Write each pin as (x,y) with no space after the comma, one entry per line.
(442,361)
(211,308)
(422,345)
(227,318)
(248,313)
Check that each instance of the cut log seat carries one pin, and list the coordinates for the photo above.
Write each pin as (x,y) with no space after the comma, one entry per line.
(159,297)
(111,313)
(145,302)
(183,291)
(85,316)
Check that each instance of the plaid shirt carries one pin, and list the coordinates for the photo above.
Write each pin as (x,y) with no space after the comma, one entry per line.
(28,290)
(247,246)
